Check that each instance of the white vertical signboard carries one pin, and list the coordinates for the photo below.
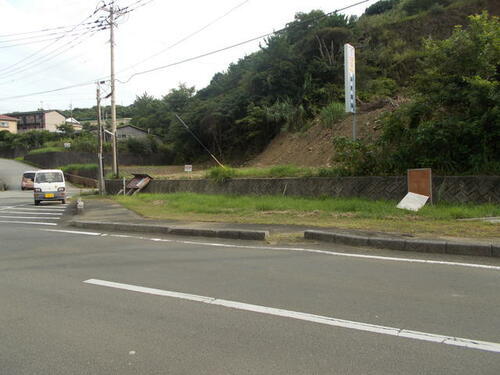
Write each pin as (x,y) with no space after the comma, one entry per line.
(350,78)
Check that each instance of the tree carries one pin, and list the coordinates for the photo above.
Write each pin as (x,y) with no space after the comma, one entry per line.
(66,129)
(453,124)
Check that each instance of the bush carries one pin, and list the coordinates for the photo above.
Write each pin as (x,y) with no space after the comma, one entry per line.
(380,7)
(416,6)
(220,174)
(331,114)
(43,150)
(381,88)
(83,143)
(355,158)
(84,170)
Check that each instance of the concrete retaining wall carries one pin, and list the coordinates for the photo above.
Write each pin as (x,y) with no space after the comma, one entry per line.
(474,189)
(57,159)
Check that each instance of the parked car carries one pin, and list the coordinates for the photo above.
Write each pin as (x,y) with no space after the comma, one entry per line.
(49,185)
(27,180)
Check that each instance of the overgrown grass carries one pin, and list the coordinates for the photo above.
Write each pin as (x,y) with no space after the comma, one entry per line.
(332,114)
(46,149)
(352,213)
(79,167)
(223,174)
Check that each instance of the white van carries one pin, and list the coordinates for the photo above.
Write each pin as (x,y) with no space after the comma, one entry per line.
(49,185)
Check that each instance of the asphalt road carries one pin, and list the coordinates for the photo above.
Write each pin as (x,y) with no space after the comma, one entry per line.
(53,322)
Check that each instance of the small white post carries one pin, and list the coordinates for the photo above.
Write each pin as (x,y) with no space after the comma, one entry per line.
(124,186)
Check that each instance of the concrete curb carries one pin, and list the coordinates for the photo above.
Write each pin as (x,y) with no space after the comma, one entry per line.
(423,246)
(254,235)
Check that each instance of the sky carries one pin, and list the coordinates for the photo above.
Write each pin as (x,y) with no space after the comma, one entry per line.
(142,41)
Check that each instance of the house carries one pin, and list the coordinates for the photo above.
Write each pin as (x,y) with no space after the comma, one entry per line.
(39,120)
(130,131)
(75,123)
(8,123)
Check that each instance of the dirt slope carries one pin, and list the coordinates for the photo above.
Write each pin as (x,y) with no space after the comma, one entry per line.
(313,148)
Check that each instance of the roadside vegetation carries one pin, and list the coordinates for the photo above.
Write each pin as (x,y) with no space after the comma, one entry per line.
(352,213)
(433,64)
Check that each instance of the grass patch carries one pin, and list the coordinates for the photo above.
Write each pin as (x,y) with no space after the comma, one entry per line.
(79,167)
(223,174)
(353,213)
(46,149)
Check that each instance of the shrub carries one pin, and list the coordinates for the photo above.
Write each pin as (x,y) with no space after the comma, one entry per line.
(381,88)
(331,114)
(355,158)
(220,174)
(84,170)
(43,150)
(417,6)
(380,7)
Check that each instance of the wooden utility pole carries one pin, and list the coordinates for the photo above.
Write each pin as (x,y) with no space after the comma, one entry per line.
(113,93)
(100,164)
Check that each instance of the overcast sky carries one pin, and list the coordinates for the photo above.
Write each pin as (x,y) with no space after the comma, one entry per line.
(140,34)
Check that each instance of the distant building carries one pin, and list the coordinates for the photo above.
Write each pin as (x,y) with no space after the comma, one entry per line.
(8,123)
(75,123)
(130,131)
(38,120)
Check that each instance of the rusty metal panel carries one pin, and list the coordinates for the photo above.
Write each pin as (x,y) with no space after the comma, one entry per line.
(420,182)
(139,181)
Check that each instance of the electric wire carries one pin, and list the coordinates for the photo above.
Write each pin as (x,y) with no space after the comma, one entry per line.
(60,50)
(87,83)
(37,41)
(10,79)
(309,20)
(43,30)
(37,52)
(211,23)
(34,37)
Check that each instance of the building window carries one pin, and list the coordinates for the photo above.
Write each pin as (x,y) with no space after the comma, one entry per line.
(4,124)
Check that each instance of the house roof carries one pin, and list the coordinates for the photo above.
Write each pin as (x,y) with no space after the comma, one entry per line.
(8,118)
(131,126)
(72,120)
(35,112)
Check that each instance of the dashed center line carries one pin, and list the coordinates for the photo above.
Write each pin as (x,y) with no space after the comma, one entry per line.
(326,320)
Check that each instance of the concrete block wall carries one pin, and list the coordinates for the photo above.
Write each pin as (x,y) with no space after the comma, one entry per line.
(473,189)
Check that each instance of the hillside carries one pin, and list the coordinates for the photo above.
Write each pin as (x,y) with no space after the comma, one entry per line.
(284,102)
(314,147)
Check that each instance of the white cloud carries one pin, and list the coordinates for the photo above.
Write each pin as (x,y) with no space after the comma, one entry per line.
(140,34)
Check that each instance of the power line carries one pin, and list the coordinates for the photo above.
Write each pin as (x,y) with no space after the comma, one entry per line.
(43,40)
(10,80)
(242,43)
(50,56)
(37,52)
(43,30)
(188,36)
(195,57)
(46,35)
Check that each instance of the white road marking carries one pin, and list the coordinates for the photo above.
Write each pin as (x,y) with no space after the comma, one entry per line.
(40,209)
(32,213)
(30,217)
(326,320)
(26,222)
(298,249)
(72,232)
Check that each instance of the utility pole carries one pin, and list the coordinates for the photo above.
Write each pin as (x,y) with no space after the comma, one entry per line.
(113,93)
(100,165)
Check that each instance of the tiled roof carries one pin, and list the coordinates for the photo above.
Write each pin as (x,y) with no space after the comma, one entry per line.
(8,118)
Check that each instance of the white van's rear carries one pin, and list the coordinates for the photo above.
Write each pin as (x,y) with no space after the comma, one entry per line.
(49,185)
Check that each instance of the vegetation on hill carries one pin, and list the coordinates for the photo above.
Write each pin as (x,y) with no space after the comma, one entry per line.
(448,76)
(405,47)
